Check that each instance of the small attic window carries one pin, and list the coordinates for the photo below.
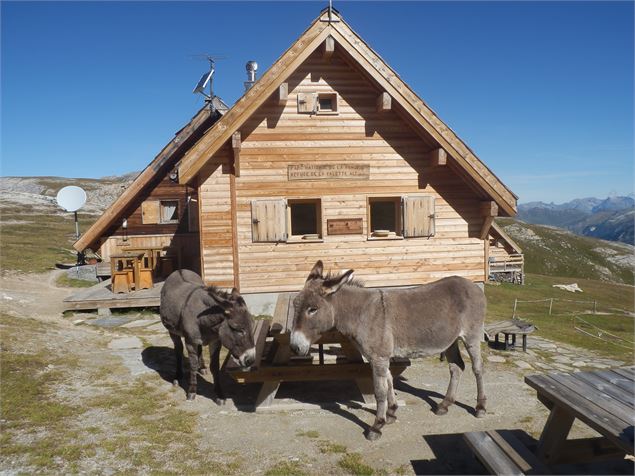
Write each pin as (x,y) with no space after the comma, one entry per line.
(327,103)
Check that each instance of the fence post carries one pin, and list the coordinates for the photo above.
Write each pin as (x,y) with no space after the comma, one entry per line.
(550,305)
(515,304)
(595,307)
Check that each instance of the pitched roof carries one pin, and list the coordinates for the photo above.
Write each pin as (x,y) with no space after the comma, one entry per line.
(165,160)
(496,229)
(423,119)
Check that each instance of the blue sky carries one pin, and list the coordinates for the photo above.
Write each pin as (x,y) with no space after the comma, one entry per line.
(541,91)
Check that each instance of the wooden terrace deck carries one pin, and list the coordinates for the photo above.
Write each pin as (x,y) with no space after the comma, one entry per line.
(100,296)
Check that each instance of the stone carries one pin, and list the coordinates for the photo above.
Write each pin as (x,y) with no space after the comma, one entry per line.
(139,323)
(522,364)
(125,343)
(78,321)
(109,321)
(85,273)
(496,358)
(104,311)
(580,364)
(598,365)
(156,327)
(543,366)
(562,359)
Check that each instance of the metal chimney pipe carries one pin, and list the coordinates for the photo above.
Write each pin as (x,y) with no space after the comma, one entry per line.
(251,67)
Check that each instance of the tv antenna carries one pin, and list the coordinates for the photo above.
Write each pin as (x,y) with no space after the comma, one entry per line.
(71,199)
(207,79)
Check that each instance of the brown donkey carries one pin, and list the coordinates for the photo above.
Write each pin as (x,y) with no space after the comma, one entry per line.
(411,322)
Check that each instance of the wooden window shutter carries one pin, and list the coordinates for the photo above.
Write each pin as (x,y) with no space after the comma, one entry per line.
(307,103)
(418,216)
(269,221)
(150,212)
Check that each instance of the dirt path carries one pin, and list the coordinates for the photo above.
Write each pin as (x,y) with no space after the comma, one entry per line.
(117,413)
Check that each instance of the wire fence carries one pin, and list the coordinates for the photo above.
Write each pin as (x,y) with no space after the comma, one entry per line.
(575,308)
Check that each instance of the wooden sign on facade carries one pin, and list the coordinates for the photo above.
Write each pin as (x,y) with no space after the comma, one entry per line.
(340,171)
(344,226)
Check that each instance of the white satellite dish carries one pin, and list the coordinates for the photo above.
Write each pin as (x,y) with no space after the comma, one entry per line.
(71,198)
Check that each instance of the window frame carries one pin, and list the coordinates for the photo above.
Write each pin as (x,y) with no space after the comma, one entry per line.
(169,222)
(396,199)
(318,221)
(334,97)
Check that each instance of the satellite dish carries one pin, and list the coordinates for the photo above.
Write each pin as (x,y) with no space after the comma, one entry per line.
(71,198)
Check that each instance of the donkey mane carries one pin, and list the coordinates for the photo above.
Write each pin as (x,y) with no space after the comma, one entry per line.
(357,283)
(214,291)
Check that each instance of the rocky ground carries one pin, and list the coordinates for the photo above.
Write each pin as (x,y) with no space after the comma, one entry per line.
(107,378)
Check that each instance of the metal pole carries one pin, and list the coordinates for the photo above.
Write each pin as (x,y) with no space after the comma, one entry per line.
(550,305)
(80,255)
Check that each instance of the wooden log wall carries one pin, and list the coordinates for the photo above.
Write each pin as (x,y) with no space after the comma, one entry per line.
(277,135)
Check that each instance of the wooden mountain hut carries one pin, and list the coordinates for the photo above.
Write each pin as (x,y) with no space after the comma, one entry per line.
(329,155)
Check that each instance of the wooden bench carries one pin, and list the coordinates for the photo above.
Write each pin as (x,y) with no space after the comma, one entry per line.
(510,328)
(502,453)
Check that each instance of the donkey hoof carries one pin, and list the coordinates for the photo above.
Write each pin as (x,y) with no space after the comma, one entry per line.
(372,435)
(440,411)
(480,412)
(191,396)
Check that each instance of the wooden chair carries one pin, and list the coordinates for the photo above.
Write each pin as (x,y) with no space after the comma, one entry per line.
(121,282)
(145,275)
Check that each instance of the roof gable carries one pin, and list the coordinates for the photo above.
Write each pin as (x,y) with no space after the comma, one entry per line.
(422,117)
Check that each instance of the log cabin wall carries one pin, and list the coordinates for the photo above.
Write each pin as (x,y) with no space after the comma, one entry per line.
(277,136)
(215,219)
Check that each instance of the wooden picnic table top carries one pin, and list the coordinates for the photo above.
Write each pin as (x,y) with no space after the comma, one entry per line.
(511,326)
(602,399)
(127,256)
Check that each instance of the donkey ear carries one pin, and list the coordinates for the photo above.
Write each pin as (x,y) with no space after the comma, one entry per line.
(316,272)
(334,284)
(235,294)
(226,304)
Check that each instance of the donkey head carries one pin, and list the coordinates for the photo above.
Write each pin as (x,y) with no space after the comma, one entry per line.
(314,312)
(236,331)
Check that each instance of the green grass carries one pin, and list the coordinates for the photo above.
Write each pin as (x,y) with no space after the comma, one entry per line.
(352,464)
(308,434)
(65,282)
(286,468)
(559,326)
(330,447)
(36,246)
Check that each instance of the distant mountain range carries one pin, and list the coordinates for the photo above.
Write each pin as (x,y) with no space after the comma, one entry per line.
(610,219)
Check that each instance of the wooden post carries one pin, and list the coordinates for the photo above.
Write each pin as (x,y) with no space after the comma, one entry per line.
(329,47)
(438,157)
(595,307)
(488,210)
(283,94)
(384,102)
(515,304)
(550,305)
(236,146)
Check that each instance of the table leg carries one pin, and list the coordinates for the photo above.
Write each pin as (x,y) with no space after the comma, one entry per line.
(137,274)
(524,342)
(554,434)
(367,389)
(514,341)
(267,394)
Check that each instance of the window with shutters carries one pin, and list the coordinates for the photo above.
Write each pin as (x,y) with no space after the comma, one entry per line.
(305,219)
(154,212)
(275,221)
(169,211)
(401,217)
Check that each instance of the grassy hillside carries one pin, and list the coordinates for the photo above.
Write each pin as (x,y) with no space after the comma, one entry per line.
(35,233)
(612,299)
(555,252)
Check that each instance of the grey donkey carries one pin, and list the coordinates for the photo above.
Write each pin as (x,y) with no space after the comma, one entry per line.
(409,322)
(205,316)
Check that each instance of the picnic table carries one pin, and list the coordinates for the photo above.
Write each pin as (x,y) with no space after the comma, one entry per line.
(125,267)
(602,399)
(510,328)
(276,363)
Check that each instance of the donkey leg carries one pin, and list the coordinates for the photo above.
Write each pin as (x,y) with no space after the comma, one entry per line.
(192,354)
(178,355)
(201,362)
(391,412)
(380,384)
(214,352)
(473,346)
(453,354)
